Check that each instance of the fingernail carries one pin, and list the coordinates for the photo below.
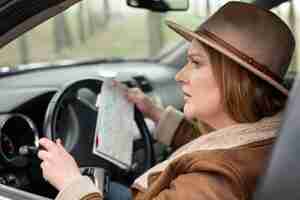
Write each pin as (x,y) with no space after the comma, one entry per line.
(42,140)
(58,141)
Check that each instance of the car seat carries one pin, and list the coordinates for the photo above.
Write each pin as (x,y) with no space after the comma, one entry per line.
(282,178)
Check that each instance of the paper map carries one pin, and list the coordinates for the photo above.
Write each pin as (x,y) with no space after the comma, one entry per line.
(115,122)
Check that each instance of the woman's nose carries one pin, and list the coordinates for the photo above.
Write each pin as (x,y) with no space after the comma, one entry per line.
(181,75)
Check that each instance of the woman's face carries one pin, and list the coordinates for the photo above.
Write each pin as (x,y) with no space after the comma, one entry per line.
(201,93)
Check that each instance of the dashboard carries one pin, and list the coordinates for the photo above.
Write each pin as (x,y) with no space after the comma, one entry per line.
(25,98)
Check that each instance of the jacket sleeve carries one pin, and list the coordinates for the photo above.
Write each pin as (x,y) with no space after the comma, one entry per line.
(82,188)
(210,186)
(174,130)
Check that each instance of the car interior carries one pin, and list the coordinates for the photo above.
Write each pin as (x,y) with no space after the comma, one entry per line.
(57,100)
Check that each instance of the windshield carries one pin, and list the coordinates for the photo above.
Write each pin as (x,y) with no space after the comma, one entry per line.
(98,29)
(108,29)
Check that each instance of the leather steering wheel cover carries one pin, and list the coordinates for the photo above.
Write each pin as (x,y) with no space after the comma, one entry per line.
(52,110)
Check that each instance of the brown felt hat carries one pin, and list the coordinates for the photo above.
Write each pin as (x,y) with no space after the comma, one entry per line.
(254,37)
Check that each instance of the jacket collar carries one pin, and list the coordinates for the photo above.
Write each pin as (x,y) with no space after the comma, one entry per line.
(226,138)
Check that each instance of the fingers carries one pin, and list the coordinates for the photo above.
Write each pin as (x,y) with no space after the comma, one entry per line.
(44,165)
(59,145)
(51,148)
(58,166)
(44,155)
(131,91)
(47,144)
(122,86)
(58,142)
(135,95)
(135,91)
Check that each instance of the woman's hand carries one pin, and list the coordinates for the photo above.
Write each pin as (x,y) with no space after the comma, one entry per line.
(144,103)
(59,167)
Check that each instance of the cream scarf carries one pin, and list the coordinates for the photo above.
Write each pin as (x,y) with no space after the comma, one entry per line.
(226,138)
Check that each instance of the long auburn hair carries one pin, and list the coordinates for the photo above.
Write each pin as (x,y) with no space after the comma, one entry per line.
(245,97)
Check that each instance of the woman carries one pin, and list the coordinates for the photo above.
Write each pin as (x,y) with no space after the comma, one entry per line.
(233,94)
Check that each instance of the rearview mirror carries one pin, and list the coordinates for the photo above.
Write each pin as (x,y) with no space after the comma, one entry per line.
(160,5)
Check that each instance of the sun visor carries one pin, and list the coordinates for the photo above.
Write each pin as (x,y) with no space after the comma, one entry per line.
(20,16)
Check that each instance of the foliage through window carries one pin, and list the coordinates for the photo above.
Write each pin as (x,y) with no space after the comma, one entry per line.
(102,29)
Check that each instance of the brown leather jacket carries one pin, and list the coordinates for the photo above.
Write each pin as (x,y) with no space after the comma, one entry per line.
(208,174)
(211,174)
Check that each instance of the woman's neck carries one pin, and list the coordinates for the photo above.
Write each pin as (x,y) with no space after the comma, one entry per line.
(219,121)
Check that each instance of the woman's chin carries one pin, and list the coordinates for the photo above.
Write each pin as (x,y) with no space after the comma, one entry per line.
(188,114)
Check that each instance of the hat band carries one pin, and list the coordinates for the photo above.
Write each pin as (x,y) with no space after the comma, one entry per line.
(241,55)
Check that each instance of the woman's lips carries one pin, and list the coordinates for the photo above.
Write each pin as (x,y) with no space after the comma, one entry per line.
(186,96)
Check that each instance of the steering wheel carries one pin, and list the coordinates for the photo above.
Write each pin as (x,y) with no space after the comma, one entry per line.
(71,116)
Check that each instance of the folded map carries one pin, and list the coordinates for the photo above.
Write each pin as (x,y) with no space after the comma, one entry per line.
(115,124)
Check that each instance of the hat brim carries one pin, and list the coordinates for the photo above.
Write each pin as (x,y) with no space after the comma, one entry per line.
(190,35)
